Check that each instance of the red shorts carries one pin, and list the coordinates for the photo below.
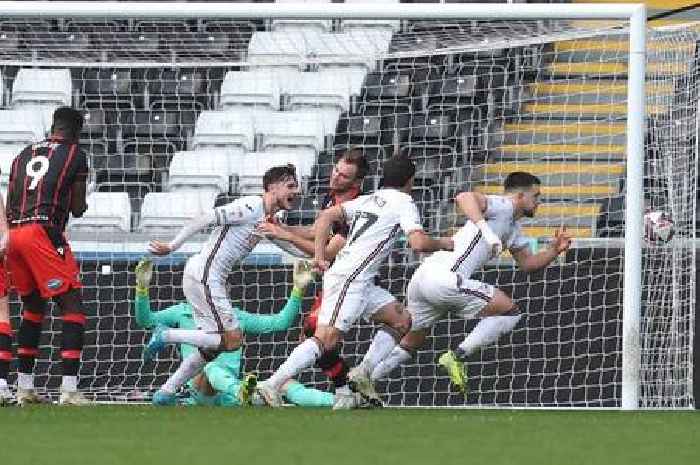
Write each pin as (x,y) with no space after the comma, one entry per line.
(34,262)
(3,279)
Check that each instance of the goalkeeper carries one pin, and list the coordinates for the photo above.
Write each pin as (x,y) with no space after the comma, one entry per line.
(219,382)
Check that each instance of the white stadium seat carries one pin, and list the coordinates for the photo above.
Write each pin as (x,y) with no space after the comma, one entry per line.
(223,129)
(206,169)
(250,173)
(257,88)
(327,88)
(8,152)
(107,211)
(388,24)
(42,87)
(321,25)
(352,76)
(292,129)
(165,211)
(277,48)
(340,48)
(21,127)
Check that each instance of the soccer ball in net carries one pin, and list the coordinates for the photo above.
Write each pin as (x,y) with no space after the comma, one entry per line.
(658,227)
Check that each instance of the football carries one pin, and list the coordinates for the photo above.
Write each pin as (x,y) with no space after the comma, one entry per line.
(658,227)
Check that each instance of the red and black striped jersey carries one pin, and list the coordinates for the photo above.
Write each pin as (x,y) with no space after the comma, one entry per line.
(41,180)
(339,227)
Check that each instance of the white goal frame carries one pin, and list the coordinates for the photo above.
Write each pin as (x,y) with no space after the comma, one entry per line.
(634,13)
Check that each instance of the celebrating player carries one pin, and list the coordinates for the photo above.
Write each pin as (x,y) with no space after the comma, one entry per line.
(442,283)
(204,279)
(219,383)
(345,184)
(348,286)
(47,183)
(5,328)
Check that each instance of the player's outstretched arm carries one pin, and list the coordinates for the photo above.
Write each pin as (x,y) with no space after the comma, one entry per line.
(529,262)
(474,205)
(188,230)
(253,323)
(422,243)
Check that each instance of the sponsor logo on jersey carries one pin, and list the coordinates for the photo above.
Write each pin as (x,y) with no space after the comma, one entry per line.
(54,283)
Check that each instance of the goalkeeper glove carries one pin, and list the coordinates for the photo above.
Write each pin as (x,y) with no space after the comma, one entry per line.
(144,273)
(302,275)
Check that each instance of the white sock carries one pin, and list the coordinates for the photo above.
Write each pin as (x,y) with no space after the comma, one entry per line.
(488,331)
(396,358)
(187,369)
(382,344)
(25,380)
(69,383)
(303,356)
(195,337)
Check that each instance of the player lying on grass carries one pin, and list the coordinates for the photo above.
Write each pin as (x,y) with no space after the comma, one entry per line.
(219,382)
(442,283)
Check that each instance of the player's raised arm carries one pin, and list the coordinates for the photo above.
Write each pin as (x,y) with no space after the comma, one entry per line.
(417,238)
(474,205)
(529,262)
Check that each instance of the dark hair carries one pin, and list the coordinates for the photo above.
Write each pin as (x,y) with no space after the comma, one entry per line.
(397,171)
(355,156)
(279,173)
(68,121)
(520,180)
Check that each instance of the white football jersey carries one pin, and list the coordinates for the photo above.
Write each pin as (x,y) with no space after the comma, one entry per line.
(375,221)
(471,251)
(231,241)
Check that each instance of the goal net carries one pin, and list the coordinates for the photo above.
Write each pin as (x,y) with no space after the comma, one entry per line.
(183,113)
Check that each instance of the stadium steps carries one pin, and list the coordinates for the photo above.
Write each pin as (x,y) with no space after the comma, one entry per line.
(601,91)
(548,132)
(617,50)
(576,111)
(549,231)
(571,152)
(557,173)
(567,192)
(599,69)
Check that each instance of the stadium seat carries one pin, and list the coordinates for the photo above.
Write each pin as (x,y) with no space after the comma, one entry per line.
(107,211)
(258,88)
(326,88)
(292,129)
(348,48)
(165,211)
(105,89)
(223,129)
(320,25)
(277,48)
(33,87)
(21,127)
(176,89)
(8,152)
(390,25)
(207,169)
(250,173)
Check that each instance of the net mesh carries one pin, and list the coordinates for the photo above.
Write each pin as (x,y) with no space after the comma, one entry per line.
(183,113)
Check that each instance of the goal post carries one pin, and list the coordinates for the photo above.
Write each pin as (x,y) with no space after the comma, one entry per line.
(637,351)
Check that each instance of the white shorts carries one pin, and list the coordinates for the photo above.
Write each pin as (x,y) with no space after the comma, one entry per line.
(344,302)
(211,305)
(434,292)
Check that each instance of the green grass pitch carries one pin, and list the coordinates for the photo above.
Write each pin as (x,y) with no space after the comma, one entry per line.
(135,435)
